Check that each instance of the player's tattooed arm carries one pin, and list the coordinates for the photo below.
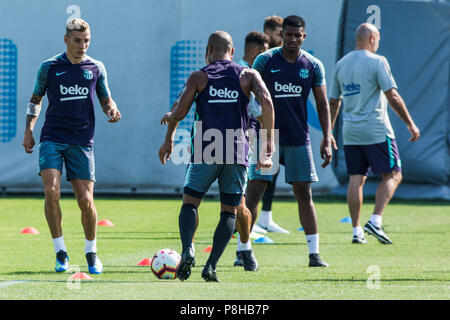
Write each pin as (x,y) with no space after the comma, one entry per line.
(110,109)
(32,114)
(267,119)
(258,87)
(196,82)
(167,146)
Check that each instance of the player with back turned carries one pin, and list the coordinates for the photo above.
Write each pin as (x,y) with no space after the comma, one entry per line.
(221,91)
(363,80)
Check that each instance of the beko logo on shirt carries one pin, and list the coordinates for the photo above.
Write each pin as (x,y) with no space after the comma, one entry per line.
(351,89)
(287,90)
(78,92)
(226,95)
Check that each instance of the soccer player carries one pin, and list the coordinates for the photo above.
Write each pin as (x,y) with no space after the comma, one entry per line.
(255,43)
(272,28)
(221,91)
(363,80)
(290,74)
(71,81)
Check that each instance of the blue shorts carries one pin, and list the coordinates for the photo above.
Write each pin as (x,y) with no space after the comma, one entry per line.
(298,165)
(380,157)
(231,179)
(78,159)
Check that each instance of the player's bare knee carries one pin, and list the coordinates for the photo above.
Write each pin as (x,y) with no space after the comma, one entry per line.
(228,208)
(86,203)
(395,176)
(302,192)
(191,200)
(52,193)
(357,179)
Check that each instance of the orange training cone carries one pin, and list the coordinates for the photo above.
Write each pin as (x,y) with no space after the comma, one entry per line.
(29,230)
(207,249)
(105,223)
(80,275)
(145,262)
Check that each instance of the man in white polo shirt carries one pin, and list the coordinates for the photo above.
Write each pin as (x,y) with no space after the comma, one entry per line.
(364,82)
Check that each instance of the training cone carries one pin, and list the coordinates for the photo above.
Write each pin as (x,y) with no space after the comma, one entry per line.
(145,262)
(29,230)
(207,249)
(80,276)
(346,220)
(263,240)
(105,223)
(300,229)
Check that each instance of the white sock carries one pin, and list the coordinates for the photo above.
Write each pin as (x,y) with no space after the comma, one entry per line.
(58,243)
(90,245)
(358,231)
(313,242)
(376,220)
(265,217)
(243,246)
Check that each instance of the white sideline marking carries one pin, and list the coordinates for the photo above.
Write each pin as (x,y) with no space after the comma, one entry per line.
(11,283)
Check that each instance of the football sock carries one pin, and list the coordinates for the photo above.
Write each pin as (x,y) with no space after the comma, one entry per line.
(243,246)
(313,243)
(268,196)
(187,222)
(265,217)
(358,231)
(58,243)
(221,237)
(90,245)
(376,220)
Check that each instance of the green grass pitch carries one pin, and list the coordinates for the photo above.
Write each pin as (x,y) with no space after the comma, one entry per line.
(417,266)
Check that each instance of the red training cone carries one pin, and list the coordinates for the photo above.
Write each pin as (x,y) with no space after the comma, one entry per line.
(145,262)
(105,223)
(207,249)
(29,230)
(80,275)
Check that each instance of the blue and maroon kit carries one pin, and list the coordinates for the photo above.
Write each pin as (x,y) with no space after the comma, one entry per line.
(221,106)
(67,137)
(71,90)
(289,85)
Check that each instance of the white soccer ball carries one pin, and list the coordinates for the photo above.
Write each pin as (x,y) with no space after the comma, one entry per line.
(165,263)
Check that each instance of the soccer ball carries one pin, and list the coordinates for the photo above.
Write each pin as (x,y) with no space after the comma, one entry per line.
(165,263)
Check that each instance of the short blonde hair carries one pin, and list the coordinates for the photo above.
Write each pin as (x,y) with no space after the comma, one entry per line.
(76,24)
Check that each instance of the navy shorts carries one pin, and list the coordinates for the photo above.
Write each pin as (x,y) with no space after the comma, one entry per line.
(380,158)
(78,159)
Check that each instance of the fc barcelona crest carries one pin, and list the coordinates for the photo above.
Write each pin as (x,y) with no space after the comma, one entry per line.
(88,74)
(304,73)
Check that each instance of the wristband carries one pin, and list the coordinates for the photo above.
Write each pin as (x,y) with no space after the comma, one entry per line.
(33,109)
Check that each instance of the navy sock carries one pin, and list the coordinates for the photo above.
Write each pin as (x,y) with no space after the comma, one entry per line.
(222,236)
(187,222)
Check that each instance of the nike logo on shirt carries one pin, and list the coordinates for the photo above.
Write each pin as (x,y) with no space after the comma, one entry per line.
(274,70)
(60,73)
